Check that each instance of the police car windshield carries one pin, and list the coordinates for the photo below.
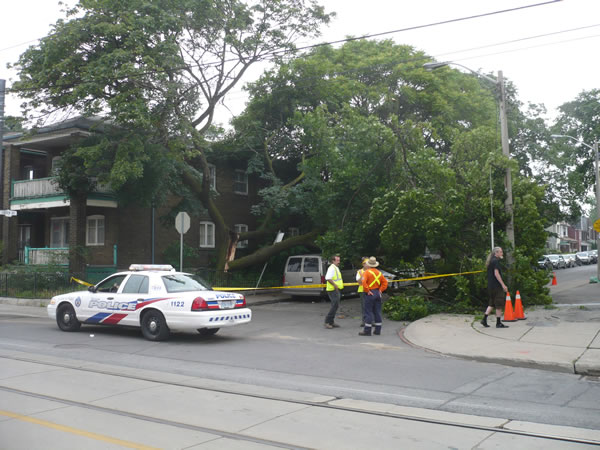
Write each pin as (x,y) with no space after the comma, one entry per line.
(183,283)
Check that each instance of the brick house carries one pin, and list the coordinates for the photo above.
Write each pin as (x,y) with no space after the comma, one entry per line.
(47,223)
(571,238)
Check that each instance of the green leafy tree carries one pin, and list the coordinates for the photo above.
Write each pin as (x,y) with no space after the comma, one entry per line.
(392,159)
(572,162)
(159,69)
(14,124)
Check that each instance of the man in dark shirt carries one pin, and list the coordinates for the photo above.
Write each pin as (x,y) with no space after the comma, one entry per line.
(496,287)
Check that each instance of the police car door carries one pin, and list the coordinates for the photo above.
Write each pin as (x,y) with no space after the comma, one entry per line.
(134,291)
(101,304)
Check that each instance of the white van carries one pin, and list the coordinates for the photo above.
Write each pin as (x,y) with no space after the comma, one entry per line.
(304,270)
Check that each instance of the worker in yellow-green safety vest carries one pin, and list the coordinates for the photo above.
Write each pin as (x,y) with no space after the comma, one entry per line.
(361,290)
(333,278)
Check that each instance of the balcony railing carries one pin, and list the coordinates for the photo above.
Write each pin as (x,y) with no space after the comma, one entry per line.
(43,187)
(58,256)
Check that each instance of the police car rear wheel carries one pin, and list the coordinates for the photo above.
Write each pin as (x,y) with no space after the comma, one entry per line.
(207,331)
(154,326)
(66,318)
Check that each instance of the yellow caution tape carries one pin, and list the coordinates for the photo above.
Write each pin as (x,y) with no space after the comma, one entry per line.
(85,283)
(308,286)
(312,286)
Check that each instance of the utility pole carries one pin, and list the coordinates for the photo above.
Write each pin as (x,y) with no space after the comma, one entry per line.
(508,204)
(2,97)
(595,149)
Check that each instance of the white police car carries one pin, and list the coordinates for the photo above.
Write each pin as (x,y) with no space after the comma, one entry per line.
(154,297)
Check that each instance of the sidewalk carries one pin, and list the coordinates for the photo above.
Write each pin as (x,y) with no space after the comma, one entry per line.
(565,339)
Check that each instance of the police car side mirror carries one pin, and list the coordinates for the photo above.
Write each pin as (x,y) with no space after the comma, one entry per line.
(92,289)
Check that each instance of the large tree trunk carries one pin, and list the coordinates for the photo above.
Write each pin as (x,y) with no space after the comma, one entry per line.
(77,223)
(263,254)
(226,238)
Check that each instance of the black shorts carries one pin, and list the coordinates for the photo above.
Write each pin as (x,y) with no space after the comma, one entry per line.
(497,298)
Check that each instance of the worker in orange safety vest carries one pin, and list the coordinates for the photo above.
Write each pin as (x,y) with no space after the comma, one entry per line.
(374,283)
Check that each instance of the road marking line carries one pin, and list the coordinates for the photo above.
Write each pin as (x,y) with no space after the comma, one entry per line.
(67,429)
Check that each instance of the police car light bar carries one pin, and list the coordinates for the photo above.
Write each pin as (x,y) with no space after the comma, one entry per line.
(138,267)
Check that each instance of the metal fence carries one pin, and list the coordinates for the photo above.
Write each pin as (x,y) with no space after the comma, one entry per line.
(34,284)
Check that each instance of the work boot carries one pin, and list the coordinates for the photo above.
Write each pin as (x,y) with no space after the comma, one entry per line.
(484,322)
(366,332)
(335,325)
(328,326)
(377,331)
(499,324)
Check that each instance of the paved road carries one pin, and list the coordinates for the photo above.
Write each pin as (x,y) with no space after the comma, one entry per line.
(57,404)
(574,287)
(287,347)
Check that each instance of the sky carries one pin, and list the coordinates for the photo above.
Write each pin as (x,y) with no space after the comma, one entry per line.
(548,51)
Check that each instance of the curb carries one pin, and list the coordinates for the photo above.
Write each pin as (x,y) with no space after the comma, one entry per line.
(435,338)
(33,302)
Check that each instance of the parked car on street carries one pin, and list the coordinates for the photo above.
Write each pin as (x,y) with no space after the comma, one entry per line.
(583,257)
(593,256)
(156,299)
(558,262)
(545,263)
(570,259)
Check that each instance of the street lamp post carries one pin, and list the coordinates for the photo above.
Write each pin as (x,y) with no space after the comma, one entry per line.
(508,204)
(594,148)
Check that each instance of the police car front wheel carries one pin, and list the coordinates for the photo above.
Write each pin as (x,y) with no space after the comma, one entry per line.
(154,326)
(66,318)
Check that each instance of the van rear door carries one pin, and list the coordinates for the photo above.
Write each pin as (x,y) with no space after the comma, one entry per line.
(303,271)
(293,274)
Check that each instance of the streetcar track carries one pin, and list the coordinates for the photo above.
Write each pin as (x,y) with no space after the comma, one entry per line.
(240,436)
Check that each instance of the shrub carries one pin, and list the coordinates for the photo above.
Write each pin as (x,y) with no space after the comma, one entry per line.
(406,308)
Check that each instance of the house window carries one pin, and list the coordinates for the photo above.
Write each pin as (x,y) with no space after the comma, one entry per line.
(240,182)
(293,231)
(27,173)
(94,234)
(207,235)
(59,232)
(24,237)
(241,228)
(213,176)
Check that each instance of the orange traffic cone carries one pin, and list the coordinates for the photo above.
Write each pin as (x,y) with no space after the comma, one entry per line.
(508,310)
(553,279)
(519,313)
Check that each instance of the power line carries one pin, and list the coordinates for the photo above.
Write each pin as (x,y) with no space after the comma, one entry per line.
(267,57)
(523,48)
(437,56)
(433,24)
(279,53)
(416,27)
(537,36)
